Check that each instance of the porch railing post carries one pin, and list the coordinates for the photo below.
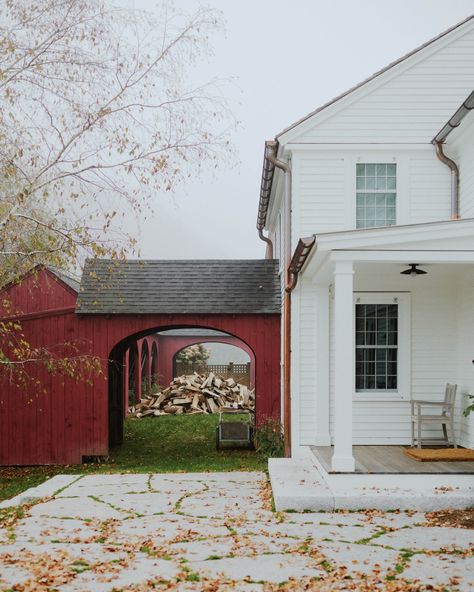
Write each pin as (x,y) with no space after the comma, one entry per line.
(342,460)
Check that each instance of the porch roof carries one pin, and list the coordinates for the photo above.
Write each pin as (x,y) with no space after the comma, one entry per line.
(450,241)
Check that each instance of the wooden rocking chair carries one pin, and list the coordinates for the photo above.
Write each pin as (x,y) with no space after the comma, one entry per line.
(444,418)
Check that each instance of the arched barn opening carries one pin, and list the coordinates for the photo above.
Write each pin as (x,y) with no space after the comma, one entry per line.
(225,350)
(227,357)
(119,397)
(154,365)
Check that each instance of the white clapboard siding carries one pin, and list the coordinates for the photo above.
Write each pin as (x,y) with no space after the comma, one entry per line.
(324,192)
(410,102)
(433,364)
(429,189)
(307,364)
(319,197)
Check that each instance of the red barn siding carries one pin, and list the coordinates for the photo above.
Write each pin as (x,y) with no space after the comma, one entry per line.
(70,420)
(37,292)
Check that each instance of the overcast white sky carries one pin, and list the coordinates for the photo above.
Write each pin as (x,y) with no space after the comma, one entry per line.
(287,57)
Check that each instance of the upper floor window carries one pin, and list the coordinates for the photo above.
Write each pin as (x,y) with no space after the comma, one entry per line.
(376,195)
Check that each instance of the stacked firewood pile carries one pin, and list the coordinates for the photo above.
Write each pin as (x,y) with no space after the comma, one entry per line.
(196,393)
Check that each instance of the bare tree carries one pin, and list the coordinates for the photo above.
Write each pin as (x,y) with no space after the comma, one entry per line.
(98,102)
(101,109)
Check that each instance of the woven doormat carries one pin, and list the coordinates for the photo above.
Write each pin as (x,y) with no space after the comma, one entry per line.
(440,454)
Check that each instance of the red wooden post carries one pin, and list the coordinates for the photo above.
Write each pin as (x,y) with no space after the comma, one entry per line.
(138,375)
(126,373)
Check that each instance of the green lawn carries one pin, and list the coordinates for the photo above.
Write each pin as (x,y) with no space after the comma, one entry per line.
(160,444)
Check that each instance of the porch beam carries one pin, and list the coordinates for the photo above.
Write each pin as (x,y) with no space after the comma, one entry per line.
(342,460)
(403,256)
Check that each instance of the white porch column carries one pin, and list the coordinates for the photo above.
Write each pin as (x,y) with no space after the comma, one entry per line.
(322,437)
(342,459)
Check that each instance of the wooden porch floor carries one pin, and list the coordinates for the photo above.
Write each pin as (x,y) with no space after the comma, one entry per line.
(391,459)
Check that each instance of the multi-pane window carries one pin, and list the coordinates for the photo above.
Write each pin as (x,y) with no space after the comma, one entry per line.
(376,187)
(376,347)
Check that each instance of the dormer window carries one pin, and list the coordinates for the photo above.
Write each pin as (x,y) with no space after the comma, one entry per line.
(376,195)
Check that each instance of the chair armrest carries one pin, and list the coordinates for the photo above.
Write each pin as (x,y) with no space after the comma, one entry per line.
(431,403)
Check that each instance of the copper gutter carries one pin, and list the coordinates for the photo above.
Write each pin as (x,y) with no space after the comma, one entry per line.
(303,249)
(268,171)
(438,141)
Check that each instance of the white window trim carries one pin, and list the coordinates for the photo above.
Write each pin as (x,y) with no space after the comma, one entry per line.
(376,192)
(377,157)
(403,299)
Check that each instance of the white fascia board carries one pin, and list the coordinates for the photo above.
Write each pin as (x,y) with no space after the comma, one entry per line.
(320,268)
(395,235)
(402,256)
(381,245)
(355,147)
(372,84)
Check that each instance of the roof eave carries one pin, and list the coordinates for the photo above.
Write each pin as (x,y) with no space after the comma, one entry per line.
(268,171)
(456,120)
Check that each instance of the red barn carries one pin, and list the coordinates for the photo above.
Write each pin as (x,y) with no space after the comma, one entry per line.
(116,305)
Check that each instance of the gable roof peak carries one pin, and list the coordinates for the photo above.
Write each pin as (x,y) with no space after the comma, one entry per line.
(375,75)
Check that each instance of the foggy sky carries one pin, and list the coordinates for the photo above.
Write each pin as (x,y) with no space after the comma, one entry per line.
(287,58)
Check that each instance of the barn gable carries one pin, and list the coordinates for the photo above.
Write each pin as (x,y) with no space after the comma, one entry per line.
(407,102)
(41,289)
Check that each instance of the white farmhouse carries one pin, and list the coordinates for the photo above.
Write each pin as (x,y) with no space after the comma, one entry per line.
(377,182)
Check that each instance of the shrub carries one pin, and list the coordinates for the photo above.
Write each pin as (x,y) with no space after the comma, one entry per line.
(269,438)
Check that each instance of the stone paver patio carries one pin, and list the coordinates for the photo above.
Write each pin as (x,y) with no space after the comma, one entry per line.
(214,531)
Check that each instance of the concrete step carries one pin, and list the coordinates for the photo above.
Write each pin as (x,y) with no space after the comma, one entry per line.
(299,485)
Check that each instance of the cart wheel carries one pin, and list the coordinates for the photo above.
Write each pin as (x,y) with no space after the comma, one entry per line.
(218,446)
(251,438)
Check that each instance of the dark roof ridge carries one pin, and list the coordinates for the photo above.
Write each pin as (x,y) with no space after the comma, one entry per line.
(232,260)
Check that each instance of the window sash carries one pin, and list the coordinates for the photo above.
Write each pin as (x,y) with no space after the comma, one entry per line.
(376,348)
(376,191)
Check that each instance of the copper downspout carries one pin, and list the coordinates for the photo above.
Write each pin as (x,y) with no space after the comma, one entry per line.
(269,251)
(283,166)
(454,178)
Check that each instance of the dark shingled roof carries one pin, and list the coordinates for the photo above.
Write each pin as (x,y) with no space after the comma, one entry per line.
(181,286)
